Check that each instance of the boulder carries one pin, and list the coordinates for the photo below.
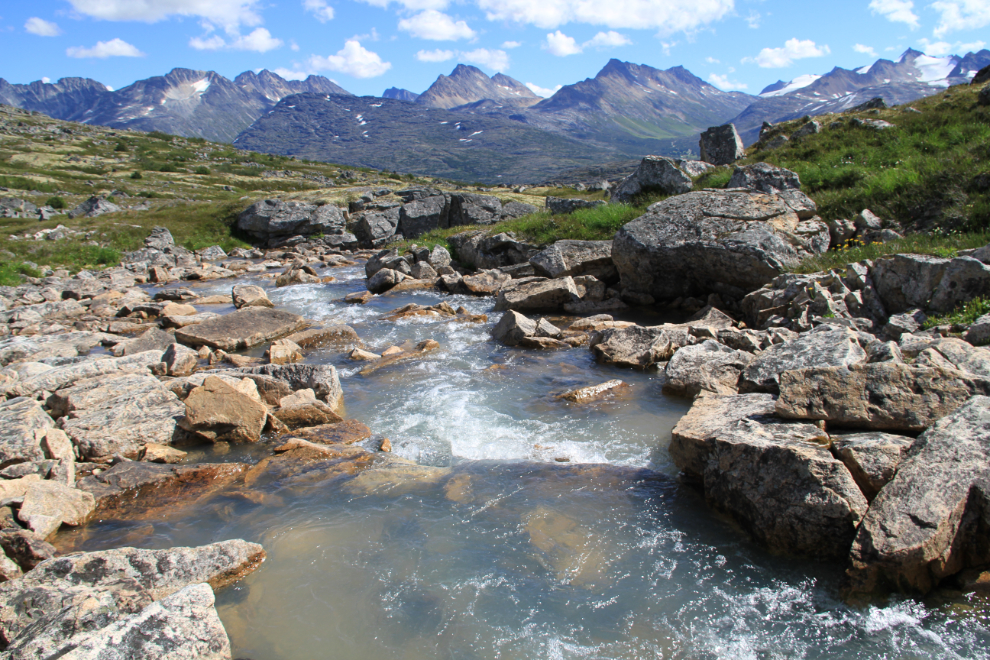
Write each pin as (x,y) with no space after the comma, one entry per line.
(476,249)
(384,279)
(57,378)
(978,334)
(776,479)
(721,145)
(272,219)
(640,347)
(218,412)
(180,360)
(539,295)
(765,178)
(151,339)
(241,329)
(828,348)
(964,279)
(872,458)
(276,381)
(117,414)
(376,228)
(26,548)
(302,409)
(473,209)
(512,328)
(422,215)
(879,396)
(212,253)
(160,238)
(23,426)
(513,210)
(708,366)
(654,174)
(439,257)
(568,257)
(907,281)
(422,270)
(561,206)
(983,98)
(93,207)
(284,351)
(346,432)
(297,274)
(929,521)
(807,128)
(726,242)
(47,505)
(484,283)
(593,392)
(249,295)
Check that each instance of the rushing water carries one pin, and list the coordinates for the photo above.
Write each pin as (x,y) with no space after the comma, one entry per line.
(501,549)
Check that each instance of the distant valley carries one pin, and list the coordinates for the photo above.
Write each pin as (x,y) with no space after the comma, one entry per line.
(470,126)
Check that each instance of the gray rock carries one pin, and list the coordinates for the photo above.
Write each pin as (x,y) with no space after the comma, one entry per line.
(117,414)
(866,220)
(513,210)
(883,396)
(872,458)
(218,412)
(576,258)
(93,207)
(23,425)
(439,257)
(151,339)
(693,167)
(33,348)
(726,242)
(929,521)
(377,262)
(212,253)
(777,479)
(179,360)
(422,270)
(271,219)
(241,329)
(476,249)
(61,377)
(654,174)
(422,215)
(765,178)
(159,239)
(376,228)
(561,206)
(983,98)
(807,128)
(957,354)
(541,295)
(907,281)
(818,349)
(473,209)
(249,295)
(908,322)
(708,366)
(512,328)
(963,280)
(978,334)
(25,547)
(47,505)
(321,378)
(640,347)
(384,280)
(721,145)
(840,230)
(776,142)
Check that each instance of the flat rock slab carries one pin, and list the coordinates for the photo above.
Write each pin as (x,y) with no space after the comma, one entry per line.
(812,349)
(49,504)
(541,295)
(879,396)
(777,479)
(136,489)
(708,366)
(37,347)
(346,432)
(640,347)
(594,392)
(926,523)
(23,423)
(872,458)
(568,257)
(241,329)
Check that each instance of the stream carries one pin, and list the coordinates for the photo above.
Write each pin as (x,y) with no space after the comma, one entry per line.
(536,528)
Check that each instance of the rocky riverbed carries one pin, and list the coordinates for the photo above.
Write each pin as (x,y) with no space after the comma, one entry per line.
(561,451)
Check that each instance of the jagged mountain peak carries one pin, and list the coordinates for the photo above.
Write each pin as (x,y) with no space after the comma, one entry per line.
(467,84)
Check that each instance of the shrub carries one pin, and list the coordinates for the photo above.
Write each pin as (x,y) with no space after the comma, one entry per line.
(136,175)
(56,202)
(121,146)
(202,170)
(168,167)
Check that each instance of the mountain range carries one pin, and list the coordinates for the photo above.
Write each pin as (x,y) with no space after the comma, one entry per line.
(625,111)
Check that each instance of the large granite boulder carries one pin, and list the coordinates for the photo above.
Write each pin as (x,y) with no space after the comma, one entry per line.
(249,295)
(276,381)
(823,348)
(765,178)
(219,412)
(567,257)
(563,206)
(473,209)
(542,294)
(50,380)
(513,327)
(776,479)
(883,396)
(640,347)
(705,367)
(476,249)
(423,214)
(726,242)
(241,329)
(721,145)
(274,219)
(93,207)
(872,458)
(23,425)
(654,174)
(117,414)
(930,520)
(160,238)
(375,228)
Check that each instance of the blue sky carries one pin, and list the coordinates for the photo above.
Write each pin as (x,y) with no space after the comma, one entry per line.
(369,45)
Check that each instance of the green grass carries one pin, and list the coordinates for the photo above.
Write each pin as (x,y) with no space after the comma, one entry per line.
(937,244)
(10,273)
(965,315)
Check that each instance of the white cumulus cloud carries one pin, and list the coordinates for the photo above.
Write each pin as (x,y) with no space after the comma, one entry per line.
(289,74)
(723,83)
(561,45)
(320,9)
(793,49)
(46,79)
(260,41)
(940,48)
(543,91)
(227,13)
(41,27)
(412,5)
(105,49)
(961,15)
(666,16)
(436,26)
(215,42)
(509,45)
(437,55)
(866,50)
(896,11)
(496,60)
(353,59)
